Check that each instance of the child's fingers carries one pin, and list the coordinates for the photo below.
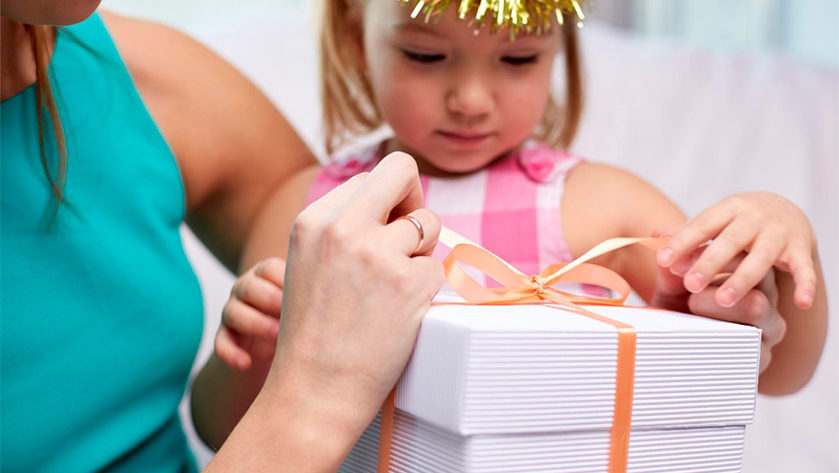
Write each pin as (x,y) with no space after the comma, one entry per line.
(803,271)
(752,270)
(246,320)
(695,232)
(273,270)
(260,293)
(733,239)
(681,266)
(228,350)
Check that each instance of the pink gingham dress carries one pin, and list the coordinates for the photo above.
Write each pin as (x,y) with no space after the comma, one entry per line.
(511,207)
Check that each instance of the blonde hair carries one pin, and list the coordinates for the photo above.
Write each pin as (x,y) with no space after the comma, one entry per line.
(45,101)
(347,95)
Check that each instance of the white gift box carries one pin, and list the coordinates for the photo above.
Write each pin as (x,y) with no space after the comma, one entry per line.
(531,388)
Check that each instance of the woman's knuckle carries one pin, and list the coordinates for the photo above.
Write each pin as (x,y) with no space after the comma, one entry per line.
(370,256)
(400,279)
(304,225)
(336,236)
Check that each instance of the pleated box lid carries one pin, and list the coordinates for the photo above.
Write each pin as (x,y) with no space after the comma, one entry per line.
(530,368)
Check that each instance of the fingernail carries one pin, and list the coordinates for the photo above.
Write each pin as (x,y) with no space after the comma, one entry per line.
(727,296)
(680,268)
(807,299)
(665,256)
(693,282)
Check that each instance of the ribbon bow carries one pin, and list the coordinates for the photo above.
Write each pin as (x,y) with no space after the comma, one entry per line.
(519,288)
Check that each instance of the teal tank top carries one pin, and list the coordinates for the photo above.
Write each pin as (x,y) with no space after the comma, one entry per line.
(101,312)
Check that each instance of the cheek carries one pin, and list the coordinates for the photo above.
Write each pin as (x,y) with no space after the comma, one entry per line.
(409,102)
(524,103)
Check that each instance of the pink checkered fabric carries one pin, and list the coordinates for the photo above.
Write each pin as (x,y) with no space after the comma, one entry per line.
(511,207)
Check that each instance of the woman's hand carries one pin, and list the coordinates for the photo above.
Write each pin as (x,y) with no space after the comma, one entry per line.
(250,318)
(356,287)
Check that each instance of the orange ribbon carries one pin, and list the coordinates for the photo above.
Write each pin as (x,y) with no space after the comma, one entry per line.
(519,288)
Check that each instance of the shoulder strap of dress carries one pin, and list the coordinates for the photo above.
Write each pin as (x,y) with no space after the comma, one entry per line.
(544,164)
(345,166)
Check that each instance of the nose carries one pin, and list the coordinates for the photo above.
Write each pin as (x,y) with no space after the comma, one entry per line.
(470,96)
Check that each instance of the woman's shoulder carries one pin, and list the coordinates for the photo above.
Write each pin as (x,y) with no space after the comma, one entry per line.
(152,51)
(222,129)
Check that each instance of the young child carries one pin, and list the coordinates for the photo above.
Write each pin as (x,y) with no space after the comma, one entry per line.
(473,106)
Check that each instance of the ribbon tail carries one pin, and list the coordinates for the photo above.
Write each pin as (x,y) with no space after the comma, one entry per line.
(386,432)
(624,387)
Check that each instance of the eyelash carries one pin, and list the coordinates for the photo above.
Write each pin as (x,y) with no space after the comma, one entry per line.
(423,58)
(432,58)
(520,60)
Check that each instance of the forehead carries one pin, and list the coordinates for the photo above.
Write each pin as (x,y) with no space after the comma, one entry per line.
(395,16)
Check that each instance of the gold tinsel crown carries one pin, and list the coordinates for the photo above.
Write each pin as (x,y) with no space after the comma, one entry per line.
(530,16)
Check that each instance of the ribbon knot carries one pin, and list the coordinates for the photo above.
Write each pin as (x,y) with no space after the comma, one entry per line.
(538,285)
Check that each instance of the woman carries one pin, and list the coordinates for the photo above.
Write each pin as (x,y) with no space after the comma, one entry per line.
(114,132)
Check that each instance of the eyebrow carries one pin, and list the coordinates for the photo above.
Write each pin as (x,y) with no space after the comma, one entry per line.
(415,27)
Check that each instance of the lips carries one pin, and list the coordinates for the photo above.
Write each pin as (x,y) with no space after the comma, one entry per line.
(465,138)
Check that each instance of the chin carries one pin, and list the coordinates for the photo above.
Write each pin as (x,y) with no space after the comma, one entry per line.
(50,12)
(77,12)
(462,162)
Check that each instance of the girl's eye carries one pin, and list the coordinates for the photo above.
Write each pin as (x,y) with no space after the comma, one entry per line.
(423,58)
(520,60)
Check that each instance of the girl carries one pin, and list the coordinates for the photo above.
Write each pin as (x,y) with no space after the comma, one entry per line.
(475,111)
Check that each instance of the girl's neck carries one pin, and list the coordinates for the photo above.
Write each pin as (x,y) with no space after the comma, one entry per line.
(17,59)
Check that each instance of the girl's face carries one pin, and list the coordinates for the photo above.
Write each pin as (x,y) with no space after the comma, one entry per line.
(455,98)
(48,12)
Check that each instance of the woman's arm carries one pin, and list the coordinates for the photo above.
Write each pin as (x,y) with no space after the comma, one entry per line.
(241,163)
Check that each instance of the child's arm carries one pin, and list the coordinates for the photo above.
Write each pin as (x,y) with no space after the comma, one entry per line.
(246,340)
(602,202)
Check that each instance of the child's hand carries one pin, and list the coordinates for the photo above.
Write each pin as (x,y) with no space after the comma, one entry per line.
(771,231)
(250,319)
